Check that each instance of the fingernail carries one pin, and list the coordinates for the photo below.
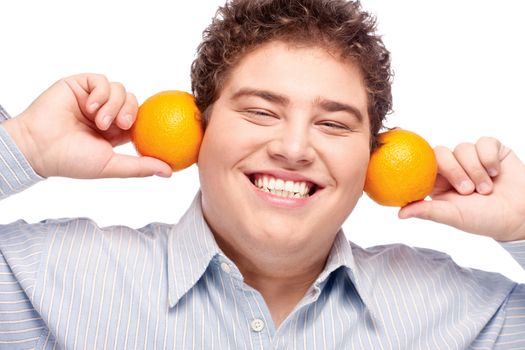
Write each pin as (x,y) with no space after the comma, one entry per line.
(484,187)
(404,215)
(492,172)
(106,120)
(128,119)
(466,186)
(162,175)
(93,107)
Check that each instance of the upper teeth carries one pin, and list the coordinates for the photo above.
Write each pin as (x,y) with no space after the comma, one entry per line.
(283,188)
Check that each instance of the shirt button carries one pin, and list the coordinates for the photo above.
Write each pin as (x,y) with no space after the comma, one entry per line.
(225,267)
(257,325)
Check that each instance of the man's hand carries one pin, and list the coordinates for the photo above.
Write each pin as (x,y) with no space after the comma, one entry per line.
(70,130)
(480,189)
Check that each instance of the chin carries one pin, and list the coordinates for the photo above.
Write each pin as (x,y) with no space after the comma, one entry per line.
(281,232)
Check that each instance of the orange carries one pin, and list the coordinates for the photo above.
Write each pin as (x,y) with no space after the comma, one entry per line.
(168,128)
(402,169)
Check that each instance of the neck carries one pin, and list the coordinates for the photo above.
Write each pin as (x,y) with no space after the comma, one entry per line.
(282,277)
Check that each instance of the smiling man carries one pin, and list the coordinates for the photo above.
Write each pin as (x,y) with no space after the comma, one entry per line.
(293,94)
(295,126)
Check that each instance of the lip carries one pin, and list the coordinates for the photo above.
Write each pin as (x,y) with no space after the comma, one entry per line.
(281,201)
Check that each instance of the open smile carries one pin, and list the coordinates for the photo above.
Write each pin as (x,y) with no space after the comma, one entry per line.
(282,187)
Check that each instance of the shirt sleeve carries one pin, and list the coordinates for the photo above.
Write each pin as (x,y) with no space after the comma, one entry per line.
(3,114)
(16,174)
(506,329)
(21,326)
(511,317)
(517,250)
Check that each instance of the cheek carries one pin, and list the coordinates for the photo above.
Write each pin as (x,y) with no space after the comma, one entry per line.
(226,142)
(216,141)
(350,167)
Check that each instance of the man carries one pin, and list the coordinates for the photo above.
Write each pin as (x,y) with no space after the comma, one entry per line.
(292,93)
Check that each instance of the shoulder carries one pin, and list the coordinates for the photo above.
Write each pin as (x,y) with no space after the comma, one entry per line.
(400,255)
(430,268)
(21,247)
(428,284)
(29,249)
(60,262)
(72,228)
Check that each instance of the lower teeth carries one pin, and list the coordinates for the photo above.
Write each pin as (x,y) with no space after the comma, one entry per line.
(284,194)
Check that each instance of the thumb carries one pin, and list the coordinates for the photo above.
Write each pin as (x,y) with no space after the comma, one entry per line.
(435,210)
(124,166)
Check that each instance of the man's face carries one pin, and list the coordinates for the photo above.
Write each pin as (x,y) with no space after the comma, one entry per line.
(284,157)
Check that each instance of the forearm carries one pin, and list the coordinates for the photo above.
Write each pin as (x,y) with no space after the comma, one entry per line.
(16,173)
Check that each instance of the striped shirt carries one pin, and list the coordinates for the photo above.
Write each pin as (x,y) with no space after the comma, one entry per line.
(70,284)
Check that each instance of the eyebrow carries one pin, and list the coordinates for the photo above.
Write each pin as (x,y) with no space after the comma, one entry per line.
(334,106)
(324,104)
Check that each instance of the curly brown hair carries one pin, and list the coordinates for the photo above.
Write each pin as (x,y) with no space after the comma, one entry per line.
(242,25)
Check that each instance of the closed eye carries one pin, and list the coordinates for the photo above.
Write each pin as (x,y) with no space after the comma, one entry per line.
(260,117)
(334,125)
(259,113)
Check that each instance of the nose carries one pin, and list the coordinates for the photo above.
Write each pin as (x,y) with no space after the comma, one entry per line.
(292,146)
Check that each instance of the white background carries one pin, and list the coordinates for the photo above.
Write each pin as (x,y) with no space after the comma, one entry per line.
(459,69)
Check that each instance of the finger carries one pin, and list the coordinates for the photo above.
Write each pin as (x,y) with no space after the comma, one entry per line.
(90,90)
(435,210)
(467,156)
(488,149)
(98,88)
(128,112)
(441,185)
(450,169)
(109,111)
(125,166)
(116,136)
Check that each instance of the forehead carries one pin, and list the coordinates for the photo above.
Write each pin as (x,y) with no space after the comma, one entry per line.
(302,73)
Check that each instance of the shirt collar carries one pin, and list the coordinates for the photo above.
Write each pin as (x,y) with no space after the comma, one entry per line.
(354,260)
(191,247)
(340,256)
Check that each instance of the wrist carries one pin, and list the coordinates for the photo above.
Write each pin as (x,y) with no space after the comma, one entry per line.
(20,134)
(518,235)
